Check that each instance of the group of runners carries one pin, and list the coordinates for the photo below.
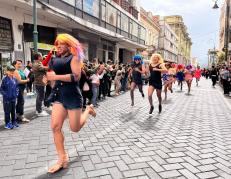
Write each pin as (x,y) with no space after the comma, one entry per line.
(161,75)
(67,98)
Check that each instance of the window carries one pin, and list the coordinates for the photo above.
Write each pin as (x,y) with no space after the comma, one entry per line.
(135,29)
(111,15)
(79,4)
(71,2)
(142,33)
(124,22)
(103,6)
(91,7)
(118,20)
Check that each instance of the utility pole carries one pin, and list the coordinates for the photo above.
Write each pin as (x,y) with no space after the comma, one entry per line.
(35,32)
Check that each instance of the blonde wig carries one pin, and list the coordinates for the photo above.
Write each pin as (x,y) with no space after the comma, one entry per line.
(73,43)
(159,57)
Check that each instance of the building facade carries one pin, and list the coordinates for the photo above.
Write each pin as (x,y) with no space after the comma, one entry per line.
(152,30)
(105,29)
(222,28)
(222,34)
(168,46)
(184,41)
(212,58)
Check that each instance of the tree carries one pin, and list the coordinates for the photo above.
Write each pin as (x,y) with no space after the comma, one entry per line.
(221,57)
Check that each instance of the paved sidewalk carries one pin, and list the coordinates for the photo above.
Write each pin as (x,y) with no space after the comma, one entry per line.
(190,139)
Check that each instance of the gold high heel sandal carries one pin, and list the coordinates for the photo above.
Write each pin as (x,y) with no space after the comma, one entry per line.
(61,164)
(91,110)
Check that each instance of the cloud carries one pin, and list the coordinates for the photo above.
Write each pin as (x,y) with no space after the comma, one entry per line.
(170,7)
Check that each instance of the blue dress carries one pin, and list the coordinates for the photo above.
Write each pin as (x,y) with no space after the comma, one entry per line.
(66,93)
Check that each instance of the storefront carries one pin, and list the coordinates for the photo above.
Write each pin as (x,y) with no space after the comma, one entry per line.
(6,44)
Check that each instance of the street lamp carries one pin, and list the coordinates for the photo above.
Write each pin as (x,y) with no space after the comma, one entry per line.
(35,32)
(215,5)
(226,27)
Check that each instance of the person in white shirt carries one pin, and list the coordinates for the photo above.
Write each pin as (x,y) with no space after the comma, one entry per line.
(95,80)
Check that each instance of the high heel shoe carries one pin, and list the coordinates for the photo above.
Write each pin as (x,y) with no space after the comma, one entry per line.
(61,164)
(91,110)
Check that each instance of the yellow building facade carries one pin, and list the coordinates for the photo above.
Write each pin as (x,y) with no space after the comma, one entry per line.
(184,41)
(152,30)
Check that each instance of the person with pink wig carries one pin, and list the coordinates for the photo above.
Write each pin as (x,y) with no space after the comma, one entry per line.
(189,76)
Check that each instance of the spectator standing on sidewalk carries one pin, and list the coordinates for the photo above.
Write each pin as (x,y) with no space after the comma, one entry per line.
(109,77)
(48,89)
(225,75)
(85,86)
(39,71)
(22,81)
(124,78)
(95,80)
(31,78)
(9,91)
(118,78)
(214,76)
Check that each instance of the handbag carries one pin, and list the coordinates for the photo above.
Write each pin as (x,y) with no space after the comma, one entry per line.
(86,87)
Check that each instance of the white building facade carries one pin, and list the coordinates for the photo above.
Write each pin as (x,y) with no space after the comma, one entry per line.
(168,43)
(104,28)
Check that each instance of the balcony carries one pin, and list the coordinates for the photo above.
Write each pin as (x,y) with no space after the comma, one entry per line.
(127,7)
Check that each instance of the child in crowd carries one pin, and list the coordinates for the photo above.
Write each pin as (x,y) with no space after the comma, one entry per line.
(9,91)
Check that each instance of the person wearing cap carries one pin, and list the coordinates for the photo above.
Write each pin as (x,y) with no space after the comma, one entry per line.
(9,91)
(136,79)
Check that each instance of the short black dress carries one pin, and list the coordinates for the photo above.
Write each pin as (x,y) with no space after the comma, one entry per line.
(66,93)
(136,76)
(155,77)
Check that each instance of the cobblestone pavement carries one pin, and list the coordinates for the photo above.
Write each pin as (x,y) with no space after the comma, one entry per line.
(190,139)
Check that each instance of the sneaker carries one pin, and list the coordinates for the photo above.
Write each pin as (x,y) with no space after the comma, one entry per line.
(151,109)
(42,114)
(9,126)
(25,119)
(15,124)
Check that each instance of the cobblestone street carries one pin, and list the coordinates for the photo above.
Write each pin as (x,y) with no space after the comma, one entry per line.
(191,138)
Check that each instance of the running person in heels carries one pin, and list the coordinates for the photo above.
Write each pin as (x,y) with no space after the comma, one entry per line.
(189,76)
(156,67)
(167,81)
(66,94)
(136,76)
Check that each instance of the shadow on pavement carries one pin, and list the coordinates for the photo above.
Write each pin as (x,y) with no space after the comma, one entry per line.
(149,123)
(126,117)
(168,101)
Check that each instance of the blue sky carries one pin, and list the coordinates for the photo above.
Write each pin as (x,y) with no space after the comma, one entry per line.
(201,20)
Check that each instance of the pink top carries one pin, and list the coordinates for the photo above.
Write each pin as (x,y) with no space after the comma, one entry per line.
(197,73)
(188,75)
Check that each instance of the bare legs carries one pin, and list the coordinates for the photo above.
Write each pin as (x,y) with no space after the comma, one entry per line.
(189,83)
(57,118)
(76,121)
(197,81)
